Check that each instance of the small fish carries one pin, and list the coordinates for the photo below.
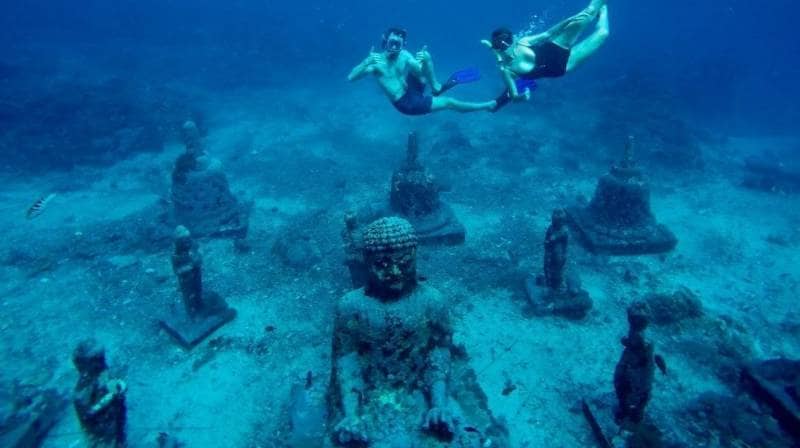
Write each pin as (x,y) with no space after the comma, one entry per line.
(661,364)
(471,429)
(309,380)
(39,206)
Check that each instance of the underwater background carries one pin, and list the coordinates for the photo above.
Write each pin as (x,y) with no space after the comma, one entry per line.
(93,100)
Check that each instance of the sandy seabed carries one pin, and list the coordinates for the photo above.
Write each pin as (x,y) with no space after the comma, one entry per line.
(304,168)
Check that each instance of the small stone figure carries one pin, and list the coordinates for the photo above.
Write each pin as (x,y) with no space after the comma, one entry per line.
(633,377)
(556,292)
(618,220)
(204,311)
(201,197)
(99,402)
(394,360)
(555,250)
(187,264)
(414,196)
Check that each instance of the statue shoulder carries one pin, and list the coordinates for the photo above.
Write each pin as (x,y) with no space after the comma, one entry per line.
(431,297)
(350,302)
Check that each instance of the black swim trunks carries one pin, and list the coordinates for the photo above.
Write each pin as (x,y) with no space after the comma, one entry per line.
(551,61)
(414,102)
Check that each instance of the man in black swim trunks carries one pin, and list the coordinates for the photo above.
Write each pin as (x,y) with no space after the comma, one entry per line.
(403,77)
(551,54)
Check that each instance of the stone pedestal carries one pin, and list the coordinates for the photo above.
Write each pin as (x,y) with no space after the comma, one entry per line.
(201,196)
(618,220)
(190,331)
(204,311)
(570,302)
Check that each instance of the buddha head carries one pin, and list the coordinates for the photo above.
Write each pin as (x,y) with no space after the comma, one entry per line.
(390,253)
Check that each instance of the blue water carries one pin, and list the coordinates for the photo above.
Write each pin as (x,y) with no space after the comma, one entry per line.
(93,99)
(734,60)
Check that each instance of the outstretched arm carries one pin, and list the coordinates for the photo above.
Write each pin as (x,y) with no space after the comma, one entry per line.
(347,371)
(508,79)
(439,417)
(351,385)
(364,68)
(497,55)
(532,40)
(346,364)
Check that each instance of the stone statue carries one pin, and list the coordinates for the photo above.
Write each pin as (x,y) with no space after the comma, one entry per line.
(633,377)
(557,291)
(99,402)
(187,264)
(555,250)
(394,360)
(201,196)
(618,220)
(414,192)
(204,311)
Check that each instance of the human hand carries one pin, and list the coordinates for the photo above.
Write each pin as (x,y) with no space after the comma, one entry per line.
(497,54)
(440,421)
(423,56)
(371,57)
(350,430)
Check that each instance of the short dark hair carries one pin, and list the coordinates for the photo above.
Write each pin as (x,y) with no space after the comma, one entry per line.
(395,30)
(502,38)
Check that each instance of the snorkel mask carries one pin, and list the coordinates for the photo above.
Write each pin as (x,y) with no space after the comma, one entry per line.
(394,40)
(502,38)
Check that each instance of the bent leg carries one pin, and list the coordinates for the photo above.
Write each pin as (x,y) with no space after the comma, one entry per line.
(591,44)
(566,33)
(447,103)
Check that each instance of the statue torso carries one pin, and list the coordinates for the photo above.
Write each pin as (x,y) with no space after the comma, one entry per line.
(393,338)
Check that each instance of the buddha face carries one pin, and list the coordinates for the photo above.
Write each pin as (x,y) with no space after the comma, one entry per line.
(392,273)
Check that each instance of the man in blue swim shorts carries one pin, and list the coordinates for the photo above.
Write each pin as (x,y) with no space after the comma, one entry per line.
(404,76)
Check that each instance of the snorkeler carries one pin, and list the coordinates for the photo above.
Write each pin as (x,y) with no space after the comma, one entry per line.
(403,78)
(551,54)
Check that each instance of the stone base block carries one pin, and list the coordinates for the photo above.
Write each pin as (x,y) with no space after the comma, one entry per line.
(652,238)
(190,332)
(570,303)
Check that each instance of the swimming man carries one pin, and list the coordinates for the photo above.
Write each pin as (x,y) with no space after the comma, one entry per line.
(403,78)
(551,54)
